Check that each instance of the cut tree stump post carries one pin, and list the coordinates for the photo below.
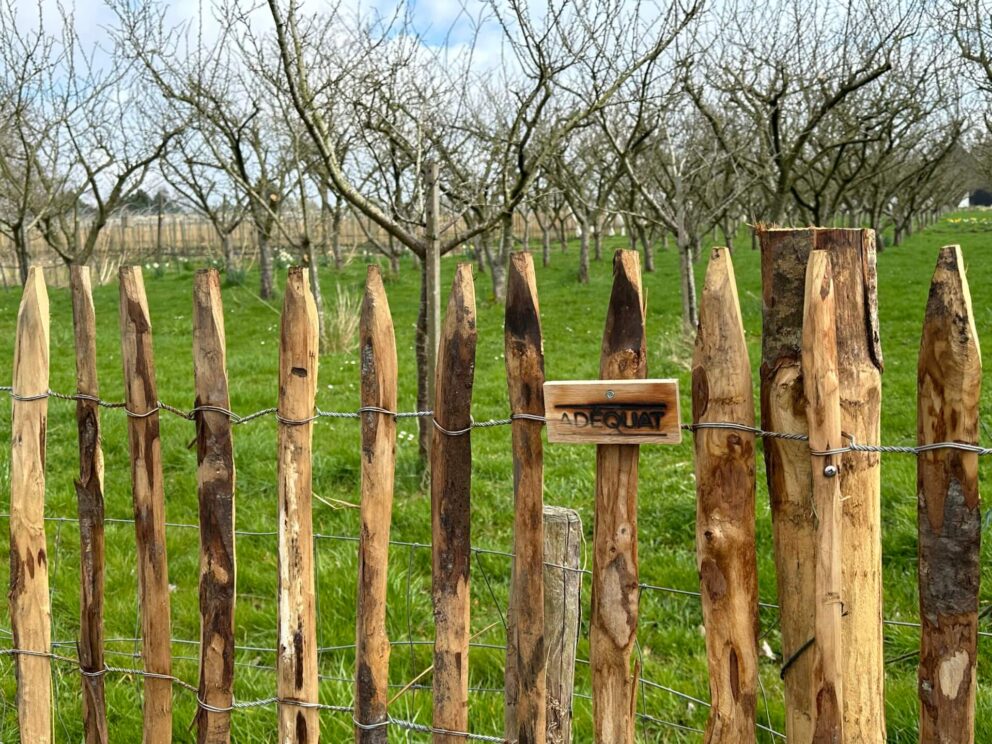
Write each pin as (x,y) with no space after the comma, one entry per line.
(725,517)
(296,663)
(451,480)
(525,710)
(820,383)
(784,257)
(378,390)
(141,397)
(90,507)
(562,590)
(949,379)
(215,485)
(613,625)
(30,608)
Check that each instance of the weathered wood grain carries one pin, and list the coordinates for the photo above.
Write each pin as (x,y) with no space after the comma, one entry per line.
(296,663)
(784,256)
(949,385)
(821,386)
(147,491)
(90,508)
(451,476)
(725,517)
(377,347)
(30,608)
(562,589)
(215,485)
(613,625)
(526,671)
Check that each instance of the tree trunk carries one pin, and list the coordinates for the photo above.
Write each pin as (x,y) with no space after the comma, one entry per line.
(597,241)
(647,243)
(562,235)
(687,281)
(545,245)
(423,395)
(318,298)
(583,254)
(499,266)
(336,215)
(264,265)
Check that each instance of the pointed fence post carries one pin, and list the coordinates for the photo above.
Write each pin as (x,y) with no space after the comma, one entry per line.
(379,383)
(821,386)
(526,671)
(147,490)
(451,480)
(949,379)
(89,499)
(615,590)
(562,590)
(784,256)
(725,516)
(30,608)
(215,481)
(296,663)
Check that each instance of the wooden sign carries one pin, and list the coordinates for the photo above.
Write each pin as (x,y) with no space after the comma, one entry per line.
(613,412)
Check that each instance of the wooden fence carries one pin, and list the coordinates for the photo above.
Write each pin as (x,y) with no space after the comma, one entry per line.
(820,411)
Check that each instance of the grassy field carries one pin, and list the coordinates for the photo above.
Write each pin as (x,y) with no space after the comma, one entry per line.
(671,645)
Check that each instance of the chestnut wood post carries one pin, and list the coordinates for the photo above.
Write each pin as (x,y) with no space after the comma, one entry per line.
(379,383)
(526,671)
(820,383)
(784,256)
(141,397)
(89,501)
(562,589)
(614,564)
(296,663)
(949,379)
(451,476)
(725,487)
(215,484)
(30,608)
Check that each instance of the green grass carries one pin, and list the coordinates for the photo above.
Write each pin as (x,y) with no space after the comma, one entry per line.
(671,645)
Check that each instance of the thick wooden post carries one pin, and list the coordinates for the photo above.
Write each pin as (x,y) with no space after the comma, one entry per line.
(614,564)
(949,379)
(89,498)
(296,663)
(147,491)
(820,384)
(379,382)
(451,480)
(526,711)
(784,256)
(30,610)
(562,589)
(215,481)
(725,487)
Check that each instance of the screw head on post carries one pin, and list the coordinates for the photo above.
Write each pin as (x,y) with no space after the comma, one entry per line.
(830,471)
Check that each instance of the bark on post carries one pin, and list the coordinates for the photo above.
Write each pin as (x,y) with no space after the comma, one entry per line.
(215,481)
(296,663)
(949,379)
(141,397)
(562,588)
(30,608)
(89,500)
(526,711)
(379,382)
(820,384)
(614,565)
(725,527)
(451,474)
(784,256)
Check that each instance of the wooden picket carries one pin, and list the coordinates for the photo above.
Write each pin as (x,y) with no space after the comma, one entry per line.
(820,378)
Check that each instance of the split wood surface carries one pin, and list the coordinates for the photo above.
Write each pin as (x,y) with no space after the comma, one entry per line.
(949,385)
(451,479)
(377,347)
(141,396)
(30,608)
(296,663)
(526,671)
(613,626)
(725,517)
